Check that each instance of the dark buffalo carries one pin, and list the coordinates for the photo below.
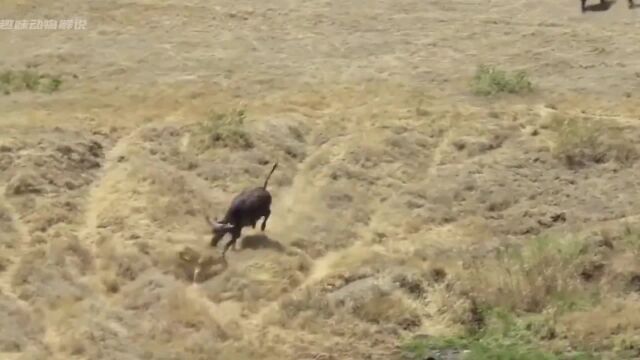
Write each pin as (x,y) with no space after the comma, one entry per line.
(245,210)
(602,2)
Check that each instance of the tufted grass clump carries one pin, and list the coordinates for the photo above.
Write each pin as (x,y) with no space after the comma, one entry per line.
(489,80)
(28,80)
(225,130)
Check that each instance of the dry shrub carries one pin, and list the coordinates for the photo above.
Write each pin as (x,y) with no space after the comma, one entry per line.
(93,330)
(582,141)
(170,321)
(526,278)
(614,324)
(284,135)
(171,200)
(192,313)
(125,264)
(119,202)
(305,309)
(223,130)
(6,163)
(264,279)
(10,238)
(146,292)
(374,152)
(166,143)
(21,328)
(110,283)
(63,163)
(51,213)
(449,313)
(38,279)
(5,262)
(359,261)
(429,215)
(25,182)
(180,325)
(375,300)
(67,251)
(328,235)
(387,309)
(481,143)
(157,197)
(318,161)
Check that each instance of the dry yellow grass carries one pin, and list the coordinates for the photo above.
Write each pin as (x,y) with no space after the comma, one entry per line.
(403,204)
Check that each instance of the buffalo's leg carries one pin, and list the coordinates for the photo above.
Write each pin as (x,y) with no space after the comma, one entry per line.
(235,235)
(215,239)
(264,222)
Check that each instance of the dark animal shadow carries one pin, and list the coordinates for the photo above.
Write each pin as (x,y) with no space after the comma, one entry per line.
(260,241)
(604,6)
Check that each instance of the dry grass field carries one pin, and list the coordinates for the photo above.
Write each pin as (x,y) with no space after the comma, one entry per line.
(457,179)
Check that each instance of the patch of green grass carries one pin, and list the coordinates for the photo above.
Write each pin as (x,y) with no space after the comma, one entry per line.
(225,130)
(505,337)
(421,348)
(478,349)
(489,80)
(532,300)
(28,80)
(51,85)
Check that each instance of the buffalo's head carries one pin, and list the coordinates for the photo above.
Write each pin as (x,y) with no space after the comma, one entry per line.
(218,230)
